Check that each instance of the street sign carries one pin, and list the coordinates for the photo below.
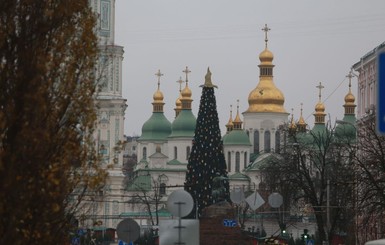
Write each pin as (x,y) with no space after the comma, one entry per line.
(309,242)
(380,110)
(255,201)
(229,223)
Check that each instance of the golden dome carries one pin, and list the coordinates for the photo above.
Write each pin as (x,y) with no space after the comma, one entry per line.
(349,98)
(266,56)
(292,125)
(158,96)
(301,121)
(178,103)
(186,92)
(266,97)
(320,107)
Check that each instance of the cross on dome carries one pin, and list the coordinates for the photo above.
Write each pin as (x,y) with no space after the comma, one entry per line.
(320,87)
(187,71)
(350,76)
(266,29)
(158,74)
(180,81)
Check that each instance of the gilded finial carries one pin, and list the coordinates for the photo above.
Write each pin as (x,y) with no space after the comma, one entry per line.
(266,29)
(320,87)
(180,81)
(350,76)
(208,82)
(187,71)
(158,74)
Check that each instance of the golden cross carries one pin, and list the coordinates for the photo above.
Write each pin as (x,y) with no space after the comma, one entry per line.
(180,81)
(187,71)
(350,76)
(320,87)
(158,74)
(266,29)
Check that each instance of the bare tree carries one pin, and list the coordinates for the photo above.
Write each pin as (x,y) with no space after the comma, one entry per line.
(48,163)
(315,168)
(148,195)
(370,167)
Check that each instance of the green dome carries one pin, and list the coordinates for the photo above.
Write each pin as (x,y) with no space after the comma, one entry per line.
(156,128)
(346,130)
(236,137)
(184,124)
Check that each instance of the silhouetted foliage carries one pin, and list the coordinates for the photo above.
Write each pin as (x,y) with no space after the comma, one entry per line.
(48,51)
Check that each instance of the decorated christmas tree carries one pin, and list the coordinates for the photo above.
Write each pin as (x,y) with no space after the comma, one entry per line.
(206,177)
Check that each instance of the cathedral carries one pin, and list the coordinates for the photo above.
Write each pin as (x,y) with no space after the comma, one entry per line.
(164,146)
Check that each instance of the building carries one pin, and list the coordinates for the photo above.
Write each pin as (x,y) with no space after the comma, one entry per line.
(104,210)
(369,224)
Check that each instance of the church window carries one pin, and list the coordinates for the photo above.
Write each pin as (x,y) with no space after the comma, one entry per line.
(229,161)
(162,189)
(188,150)
(277,141)
(175,152)
(245,160)
(237,161)
(144,153)
(267,141)
(256,141)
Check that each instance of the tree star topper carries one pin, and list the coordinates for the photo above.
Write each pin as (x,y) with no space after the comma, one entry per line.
(208,82)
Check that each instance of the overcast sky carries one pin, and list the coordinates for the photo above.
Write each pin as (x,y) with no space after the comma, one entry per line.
(312,41)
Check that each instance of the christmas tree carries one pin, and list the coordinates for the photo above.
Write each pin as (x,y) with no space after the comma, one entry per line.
(206,164)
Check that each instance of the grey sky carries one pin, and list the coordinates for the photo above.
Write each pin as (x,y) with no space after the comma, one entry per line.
(312,41)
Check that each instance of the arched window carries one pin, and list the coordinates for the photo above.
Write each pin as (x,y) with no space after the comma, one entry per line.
(237,162)
(267,141)
(144,153)
(277,141)
(162,189)
(256,141)
(175,152)
(187,152)
(229,161)
(245,160)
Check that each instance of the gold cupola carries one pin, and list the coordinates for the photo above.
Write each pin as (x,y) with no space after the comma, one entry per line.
(301,125)
(292,125)
(266,97)
(230,125)
(158,97)
(186,93)
(237,120)
(319,108)
(349,98)
(178,102)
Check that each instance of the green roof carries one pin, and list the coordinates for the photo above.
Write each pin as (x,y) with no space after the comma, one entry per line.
(236,137)
(346,130)
(184,124)
(239,176)
(262,161)
(140,183)
(157,127)
(176,162)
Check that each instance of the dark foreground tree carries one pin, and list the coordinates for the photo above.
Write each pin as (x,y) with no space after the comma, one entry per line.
(206,160)
(319,171)
(370,177)
(48,51)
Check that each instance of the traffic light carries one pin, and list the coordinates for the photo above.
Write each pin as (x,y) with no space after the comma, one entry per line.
(283,229)
(305,236)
